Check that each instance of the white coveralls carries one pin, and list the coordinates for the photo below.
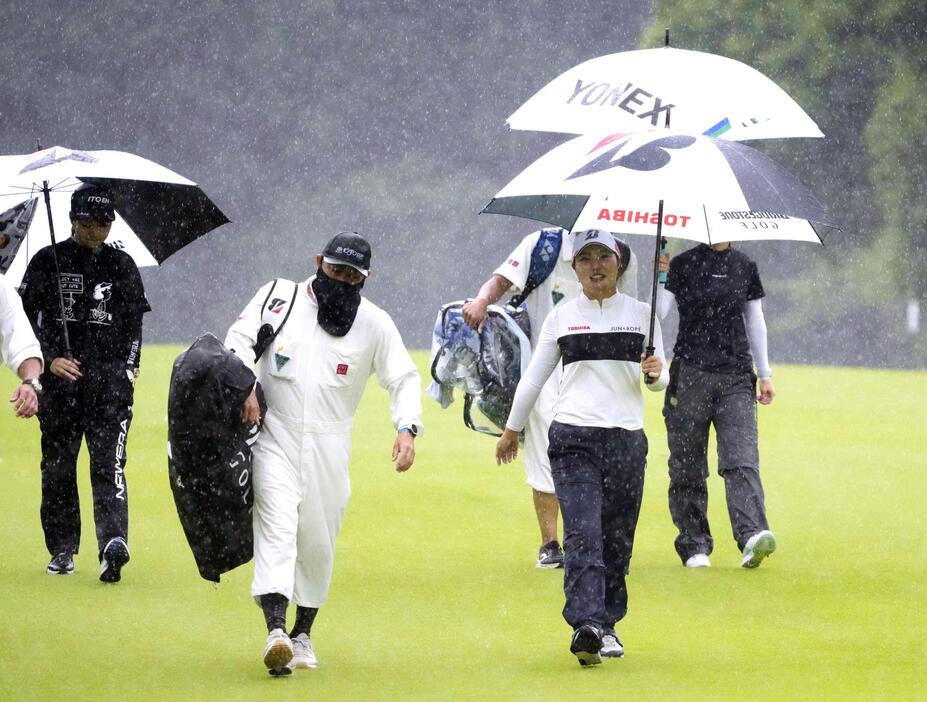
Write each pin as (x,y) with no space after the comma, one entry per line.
(561,285)
(313,382)
(17,340)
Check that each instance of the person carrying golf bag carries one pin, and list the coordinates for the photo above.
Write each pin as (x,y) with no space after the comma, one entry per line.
(313,376)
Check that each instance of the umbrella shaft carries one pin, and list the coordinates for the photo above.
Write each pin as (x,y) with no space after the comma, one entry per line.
(656,276)
(51,232)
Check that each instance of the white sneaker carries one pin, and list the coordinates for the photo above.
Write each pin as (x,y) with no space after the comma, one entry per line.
(699,560)
(757,548)
(278,653)
(303,655)
(611,646)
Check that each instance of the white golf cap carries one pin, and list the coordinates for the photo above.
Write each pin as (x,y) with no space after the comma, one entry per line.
(594,236)
(599,236)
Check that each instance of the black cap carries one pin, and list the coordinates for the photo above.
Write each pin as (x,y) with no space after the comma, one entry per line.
(349,249)
(92,202)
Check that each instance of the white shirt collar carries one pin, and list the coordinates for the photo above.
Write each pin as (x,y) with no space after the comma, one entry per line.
(608,302)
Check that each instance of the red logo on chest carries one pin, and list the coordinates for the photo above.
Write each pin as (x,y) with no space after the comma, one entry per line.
(341,369)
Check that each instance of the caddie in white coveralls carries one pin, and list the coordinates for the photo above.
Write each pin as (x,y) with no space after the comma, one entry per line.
(313,376)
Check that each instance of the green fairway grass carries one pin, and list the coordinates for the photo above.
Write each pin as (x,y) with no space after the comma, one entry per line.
(435,594)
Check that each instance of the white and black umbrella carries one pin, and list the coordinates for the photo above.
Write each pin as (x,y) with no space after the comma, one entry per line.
(713,190)
(665,183)
(703,93)
(158,211)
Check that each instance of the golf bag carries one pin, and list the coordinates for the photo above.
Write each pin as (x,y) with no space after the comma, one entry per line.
(485,366)
(209,448)
(209,455)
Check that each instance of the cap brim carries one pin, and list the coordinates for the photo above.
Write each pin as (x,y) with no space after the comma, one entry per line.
(105,216)
(339,262)
(613,249)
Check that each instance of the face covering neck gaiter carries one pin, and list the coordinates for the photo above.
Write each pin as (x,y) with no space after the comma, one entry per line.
(338,303)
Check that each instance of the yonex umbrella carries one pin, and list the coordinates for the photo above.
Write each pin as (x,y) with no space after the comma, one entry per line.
(633,90)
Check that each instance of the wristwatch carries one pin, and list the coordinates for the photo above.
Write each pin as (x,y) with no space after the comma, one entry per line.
(35,383)
(411,428)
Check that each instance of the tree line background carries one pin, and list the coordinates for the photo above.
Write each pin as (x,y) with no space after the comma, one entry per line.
(860,70)
(303,119)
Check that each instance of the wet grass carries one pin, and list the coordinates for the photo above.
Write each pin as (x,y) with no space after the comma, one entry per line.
(435,595)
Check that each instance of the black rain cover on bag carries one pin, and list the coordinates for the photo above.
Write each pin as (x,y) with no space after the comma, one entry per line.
(209,454)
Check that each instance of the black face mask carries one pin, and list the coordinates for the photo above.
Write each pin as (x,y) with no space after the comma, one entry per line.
(338,303)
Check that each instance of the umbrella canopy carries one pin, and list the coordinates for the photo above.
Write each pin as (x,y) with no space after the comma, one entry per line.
(713,190)
(633,90)
(158,211)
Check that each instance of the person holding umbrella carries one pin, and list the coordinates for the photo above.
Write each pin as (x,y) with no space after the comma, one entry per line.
(598,449)
(20,350)
(313,376)
(721,337)
(85,301)
(543,294)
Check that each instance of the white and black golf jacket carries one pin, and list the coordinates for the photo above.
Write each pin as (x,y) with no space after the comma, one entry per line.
(601,347)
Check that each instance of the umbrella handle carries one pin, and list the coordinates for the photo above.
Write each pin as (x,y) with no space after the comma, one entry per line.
(662,276)
(660,246)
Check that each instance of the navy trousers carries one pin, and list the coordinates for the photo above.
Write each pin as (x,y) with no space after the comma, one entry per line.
(599,478)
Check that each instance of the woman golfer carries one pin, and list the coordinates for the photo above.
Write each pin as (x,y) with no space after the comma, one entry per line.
(598,450)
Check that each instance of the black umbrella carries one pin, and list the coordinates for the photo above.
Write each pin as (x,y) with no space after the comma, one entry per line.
(158,211)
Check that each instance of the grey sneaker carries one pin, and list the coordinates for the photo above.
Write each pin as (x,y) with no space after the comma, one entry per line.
(278,652)
(586,644)
(303,655)
(115,555)
(61,564)
(758,547)
(550,555)
(611,646)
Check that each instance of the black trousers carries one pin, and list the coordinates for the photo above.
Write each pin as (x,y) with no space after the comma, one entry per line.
(695,400)
(599,479)
(101,413)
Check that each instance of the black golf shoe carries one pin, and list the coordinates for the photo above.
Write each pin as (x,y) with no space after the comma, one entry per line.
(550,555)
(587,644)
(61,564)
(115,555)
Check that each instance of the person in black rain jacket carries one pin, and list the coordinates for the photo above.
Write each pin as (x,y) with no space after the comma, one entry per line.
(88,387)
